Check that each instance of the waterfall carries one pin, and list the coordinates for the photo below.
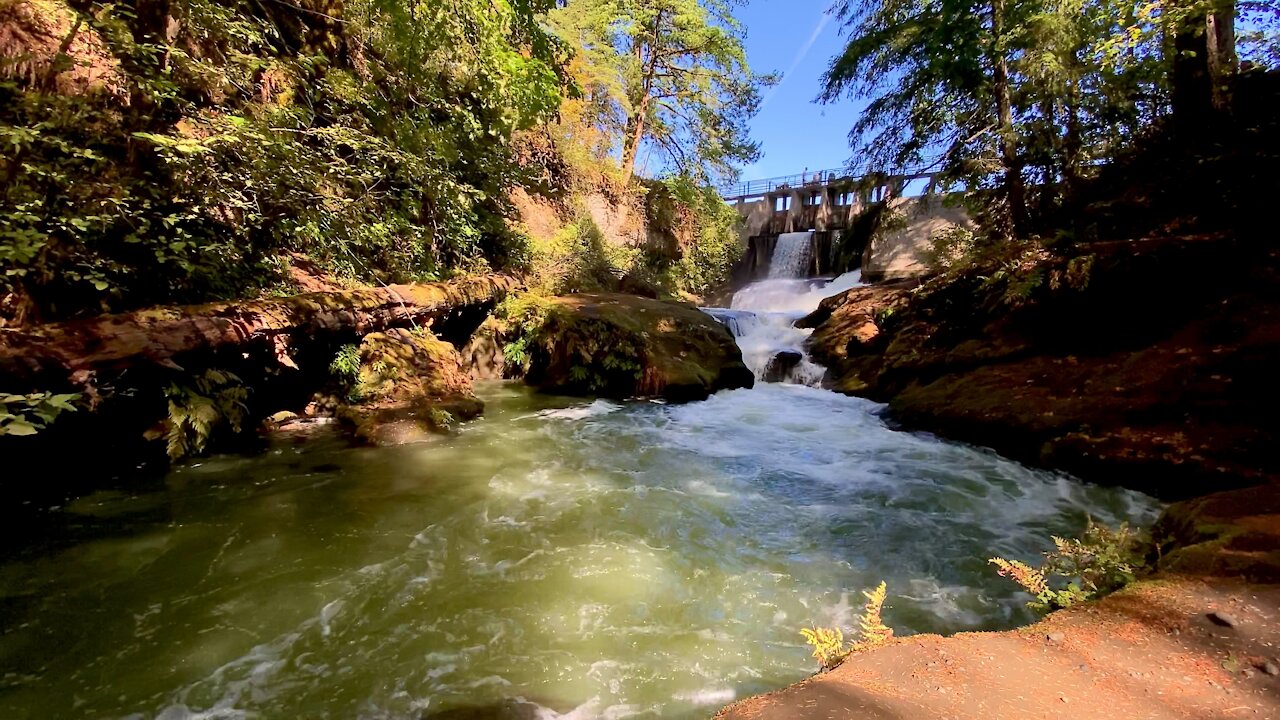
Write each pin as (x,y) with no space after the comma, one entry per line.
(792,255)
(762,318)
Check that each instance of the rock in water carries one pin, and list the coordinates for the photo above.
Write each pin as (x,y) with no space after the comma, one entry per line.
(622,346)
(781,366)
(410,384)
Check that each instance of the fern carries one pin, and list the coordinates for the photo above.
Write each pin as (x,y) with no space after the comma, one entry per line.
(1100,562)
(195,412)
(874,632)
(828,644)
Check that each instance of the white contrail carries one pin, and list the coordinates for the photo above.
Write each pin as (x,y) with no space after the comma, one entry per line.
(800,56)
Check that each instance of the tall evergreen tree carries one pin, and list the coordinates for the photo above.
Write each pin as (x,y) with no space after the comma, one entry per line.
(683,87)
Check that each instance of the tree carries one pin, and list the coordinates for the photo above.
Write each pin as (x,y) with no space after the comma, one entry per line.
(937,78)
(997,89)
(683,86)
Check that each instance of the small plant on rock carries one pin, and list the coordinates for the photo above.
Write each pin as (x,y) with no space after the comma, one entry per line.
(345,369)
(828,644)
(1078,569)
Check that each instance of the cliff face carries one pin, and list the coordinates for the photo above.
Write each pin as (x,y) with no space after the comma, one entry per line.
(1146,364)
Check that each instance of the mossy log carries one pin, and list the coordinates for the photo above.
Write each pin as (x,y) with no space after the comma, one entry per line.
(81,350)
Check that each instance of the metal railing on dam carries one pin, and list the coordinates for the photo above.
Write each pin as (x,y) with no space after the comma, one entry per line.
(812,179)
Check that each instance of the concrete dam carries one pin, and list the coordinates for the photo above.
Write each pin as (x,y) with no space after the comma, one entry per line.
(839,212)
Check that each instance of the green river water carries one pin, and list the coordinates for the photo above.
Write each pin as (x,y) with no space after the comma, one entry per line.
(557,558)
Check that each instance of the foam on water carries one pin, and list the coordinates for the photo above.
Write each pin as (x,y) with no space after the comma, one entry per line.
(762,317)
(558,558)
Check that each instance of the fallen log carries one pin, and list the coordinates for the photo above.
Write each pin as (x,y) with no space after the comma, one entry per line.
(81,350)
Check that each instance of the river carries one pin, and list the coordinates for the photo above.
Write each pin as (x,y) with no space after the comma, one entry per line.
(558,558)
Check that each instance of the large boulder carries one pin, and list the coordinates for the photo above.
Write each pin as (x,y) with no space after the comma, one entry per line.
(846,331)
(621,346)
(411,384)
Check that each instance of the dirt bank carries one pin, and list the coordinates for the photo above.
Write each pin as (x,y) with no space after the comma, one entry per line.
(1152,651)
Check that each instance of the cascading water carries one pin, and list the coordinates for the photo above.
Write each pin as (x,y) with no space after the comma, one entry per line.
(762,315)
(791,255)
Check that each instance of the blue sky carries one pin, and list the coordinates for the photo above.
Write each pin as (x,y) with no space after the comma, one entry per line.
(798,39)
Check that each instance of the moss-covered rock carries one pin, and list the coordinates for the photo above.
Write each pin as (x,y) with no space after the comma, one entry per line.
(1228,534)
(615,345)
(410,384)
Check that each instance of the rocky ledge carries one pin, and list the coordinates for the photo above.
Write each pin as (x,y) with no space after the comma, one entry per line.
(622,346)
(1146,364)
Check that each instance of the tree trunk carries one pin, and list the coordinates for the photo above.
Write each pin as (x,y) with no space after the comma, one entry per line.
(1072,144)
(1015,189)
(1049,182)
(83,352)
(150,26)
(634,136)
(1204,65)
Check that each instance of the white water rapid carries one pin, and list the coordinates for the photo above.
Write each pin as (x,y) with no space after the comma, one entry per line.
(762,315)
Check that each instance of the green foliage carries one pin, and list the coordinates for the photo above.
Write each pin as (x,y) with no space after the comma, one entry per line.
(523,316)
(716,245)
(1009,270)
(598,355)
(1099,563)
(670,76)
(346,363)
(828,645)
(214,399)
(345,369)
(579,259)
(950,248)
(378,143)
(441,419)
(1259,33)
(29,414)
(989,91)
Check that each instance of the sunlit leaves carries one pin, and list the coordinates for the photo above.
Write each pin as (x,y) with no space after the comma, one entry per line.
(22,415)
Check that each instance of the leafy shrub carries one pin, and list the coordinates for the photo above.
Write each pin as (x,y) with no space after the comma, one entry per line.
(828,645)
(29,414)
(345,369)
(715,244)
(523,318)
(1101,562)
(948,248)
(379,144)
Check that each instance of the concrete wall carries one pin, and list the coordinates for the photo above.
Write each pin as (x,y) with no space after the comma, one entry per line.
(900,254)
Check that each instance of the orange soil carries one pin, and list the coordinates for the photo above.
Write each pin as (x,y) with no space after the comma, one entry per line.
(1149,652)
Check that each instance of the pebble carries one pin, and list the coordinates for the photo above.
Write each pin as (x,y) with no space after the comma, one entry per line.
(1055,637)
(1271,669)
(1223,619)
